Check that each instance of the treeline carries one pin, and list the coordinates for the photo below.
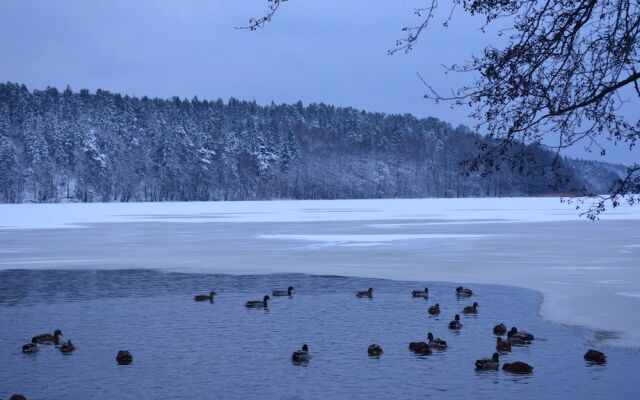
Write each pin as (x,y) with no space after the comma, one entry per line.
(81,146)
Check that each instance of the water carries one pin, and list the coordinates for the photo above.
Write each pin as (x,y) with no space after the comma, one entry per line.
(184,349)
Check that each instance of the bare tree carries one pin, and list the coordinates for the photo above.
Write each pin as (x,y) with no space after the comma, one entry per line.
(561,79)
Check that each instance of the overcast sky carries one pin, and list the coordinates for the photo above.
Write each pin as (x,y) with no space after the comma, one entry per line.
(332,51)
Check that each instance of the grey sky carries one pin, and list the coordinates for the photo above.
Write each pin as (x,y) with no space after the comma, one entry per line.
(332,51)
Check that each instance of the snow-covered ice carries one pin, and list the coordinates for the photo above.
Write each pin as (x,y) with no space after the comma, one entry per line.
(438,211)
(588,272)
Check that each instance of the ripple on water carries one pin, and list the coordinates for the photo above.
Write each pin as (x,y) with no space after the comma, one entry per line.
(199,350)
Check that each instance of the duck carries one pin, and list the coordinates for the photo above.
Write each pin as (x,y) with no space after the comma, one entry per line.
(67,347)
(463,292)
(434,310)
(502,345)
(30,348)
(515,340)
(46,338)
(473,309)
(124,357)
(365,293)
(258,303)
(595,356)
(518,367)
(421,348)
(420,293)
(487,364)
(455,324)
(205,297)
(301,355)
(278,292)
(17,397)
(526,336)
(374,350)
(436,343)
(500,329)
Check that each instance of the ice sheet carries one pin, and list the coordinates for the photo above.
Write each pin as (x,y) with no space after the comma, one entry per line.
(59,215)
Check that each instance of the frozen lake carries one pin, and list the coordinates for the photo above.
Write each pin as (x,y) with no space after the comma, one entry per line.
(588,272)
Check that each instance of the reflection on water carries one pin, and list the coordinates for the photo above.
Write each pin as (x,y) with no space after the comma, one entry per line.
(184,349)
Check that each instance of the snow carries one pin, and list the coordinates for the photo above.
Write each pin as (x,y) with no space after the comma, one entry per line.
(537,243)
(366,240)
(465,210)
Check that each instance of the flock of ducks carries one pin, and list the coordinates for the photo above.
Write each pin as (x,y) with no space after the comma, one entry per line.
(484,364)
(48,339)
(123,357)
(514,337)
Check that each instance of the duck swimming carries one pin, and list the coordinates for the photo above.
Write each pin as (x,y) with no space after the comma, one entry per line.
(488,364)
(595,356)
(526,336)
(46,338)
(205,297)
(124,357)
(421,348)
(515,340)
(518,367)
(420,293)
(365,293)
(436,343)
(258,303)
(301,355)
(502,345)
(463,292)
(434,310)
(471,309)
(30,348)
(500,329)
(278,292)
(67,347)
(374,350)
(455,324)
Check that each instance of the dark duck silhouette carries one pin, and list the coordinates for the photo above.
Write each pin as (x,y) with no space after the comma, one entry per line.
(434,310)
(526,336)
(473,309)
(595,356)
(436,343)
(518,367)
(500,329)
(301,355)
(421,348)
(375,350)
(455,324)
(124,357)
(258,303)
(205,297)
(515,340)
(365,293)
(30,348)
(279,292)
(502,345)
(488,364)
(67,347)
(420,293)
(46,338)
(463,292)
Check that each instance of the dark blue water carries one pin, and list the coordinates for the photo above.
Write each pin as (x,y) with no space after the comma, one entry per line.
(183,349)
